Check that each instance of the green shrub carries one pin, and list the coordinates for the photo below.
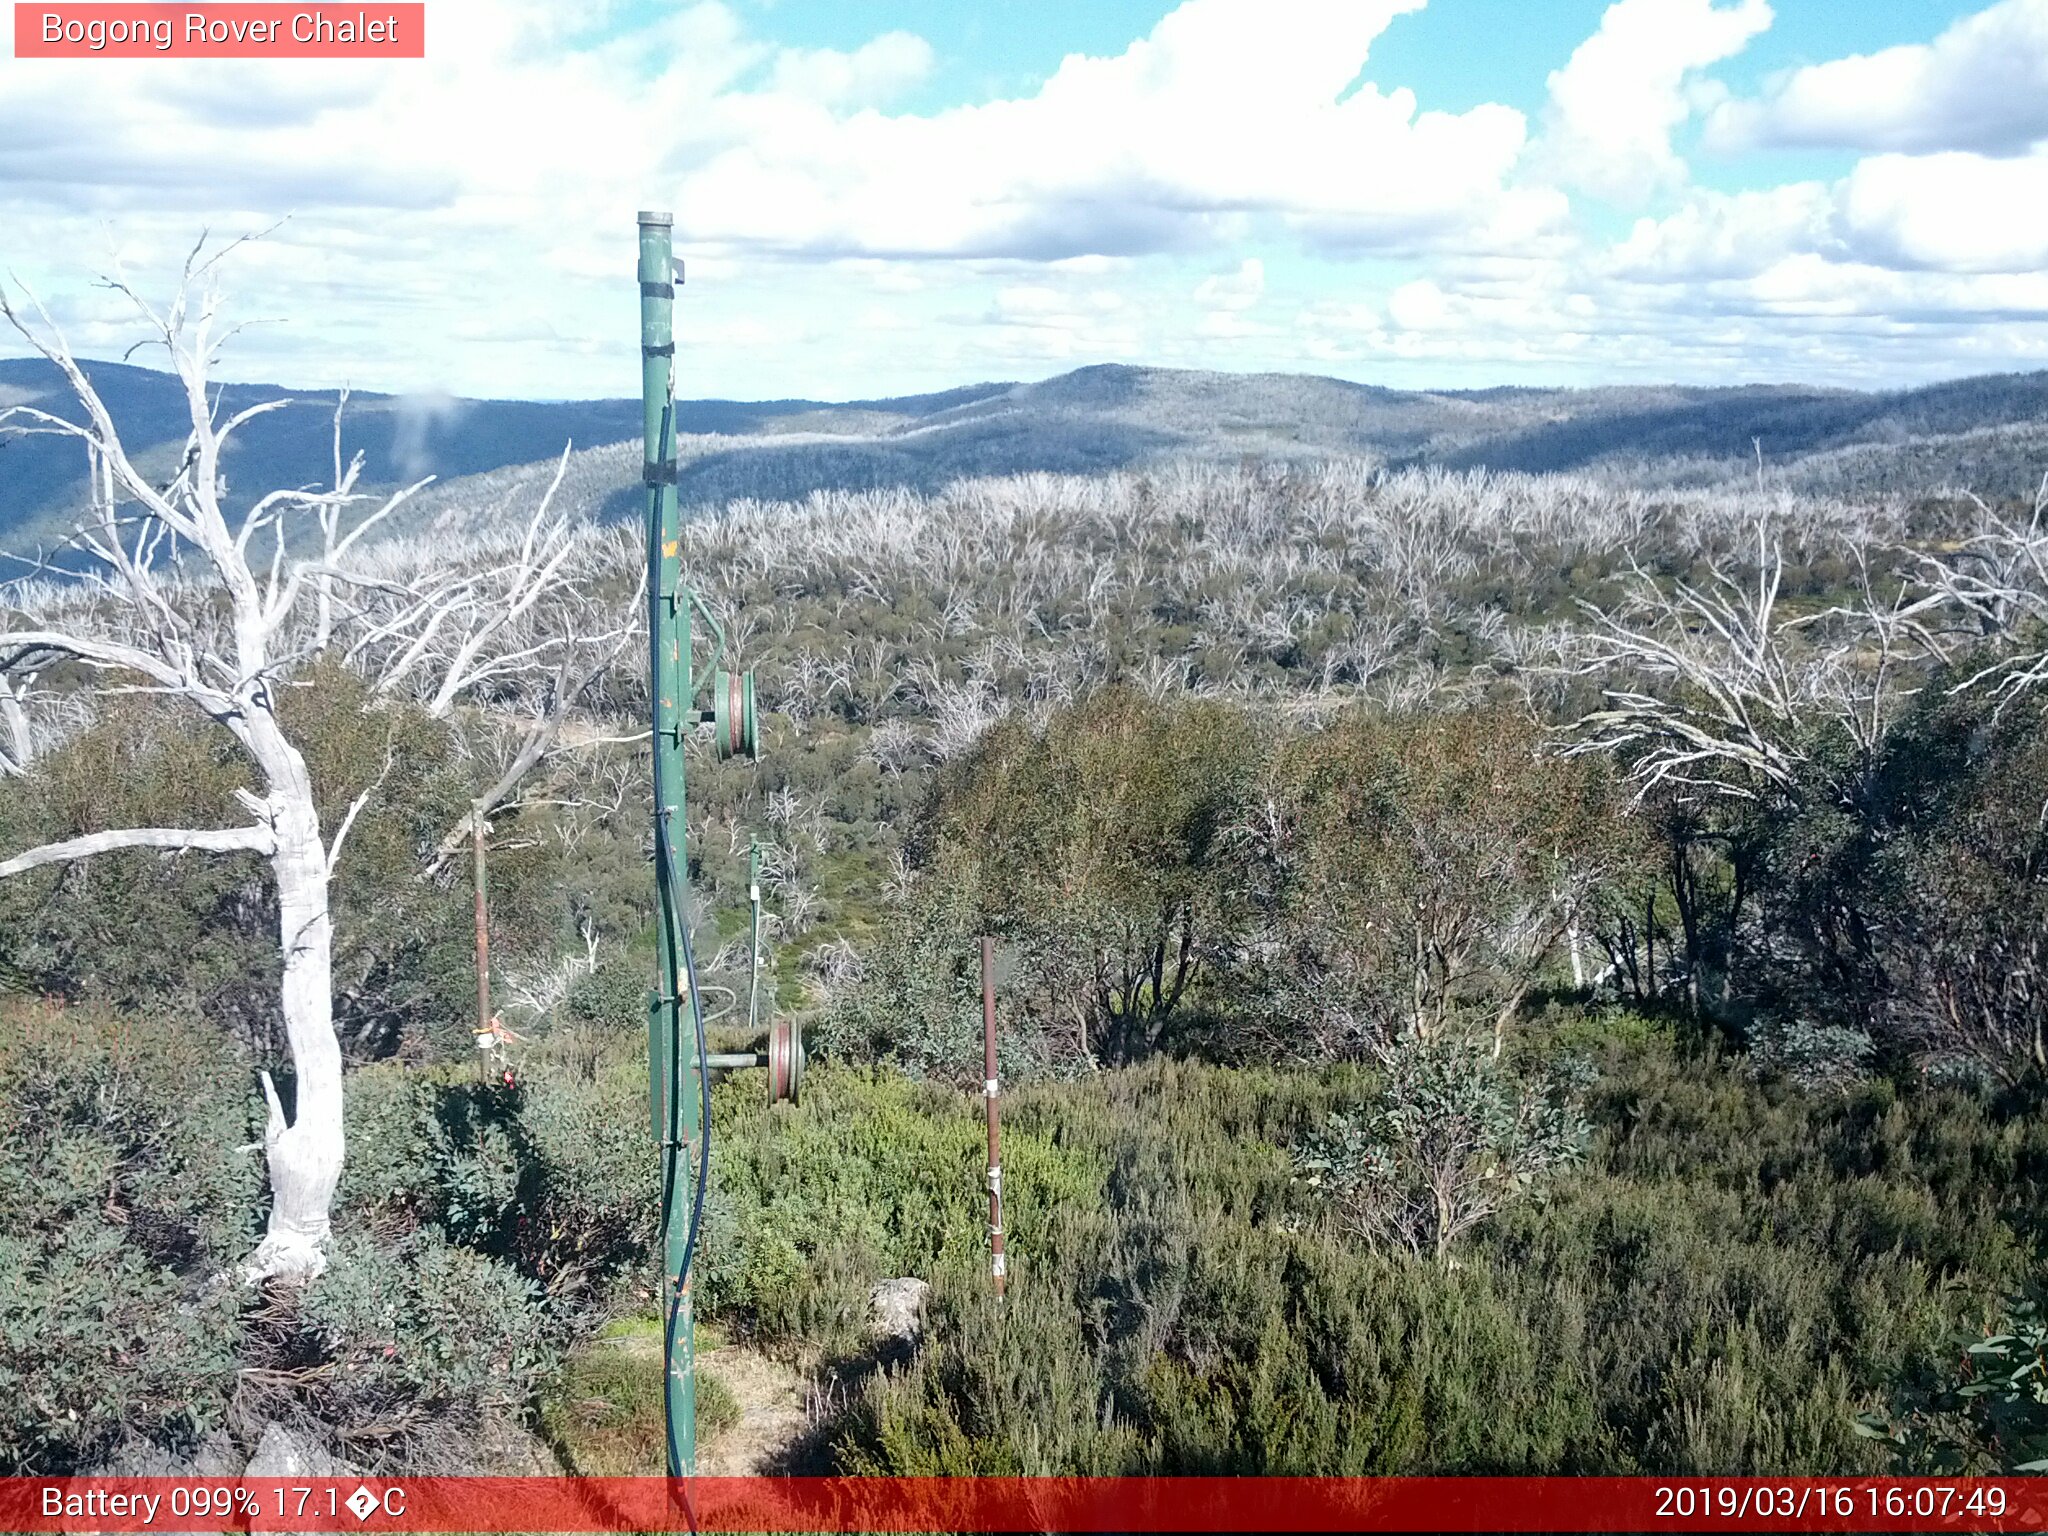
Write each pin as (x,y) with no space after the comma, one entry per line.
(593,1192)
(1987,1413)
(1450,1138)
(417,1337)
(1736,1270)
(613,996)
(604,1409)
(557,1175)
(390,1178)
(718,1410)
(1815,1056)
(126,1183)
(917,1006)
(872,1176)
(433,1146)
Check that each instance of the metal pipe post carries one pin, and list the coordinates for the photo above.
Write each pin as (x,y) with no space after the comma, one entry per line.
(672,1048)
(992,1089)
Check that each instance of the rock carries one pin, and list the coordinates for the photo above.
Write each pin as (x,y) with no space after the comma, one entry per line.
(213,1457)
(281,1453)
(896,1309)
(506,1448)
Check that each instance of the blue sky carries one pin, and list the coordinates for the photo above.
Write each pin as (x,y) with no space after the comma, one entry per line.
(906,195)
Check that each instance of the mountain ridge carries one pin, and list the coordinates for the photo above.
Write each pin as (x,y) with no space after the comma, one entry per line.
(1087,420)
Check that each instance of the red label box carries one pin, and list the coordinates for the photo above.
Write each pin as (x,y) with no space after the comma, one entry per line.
(248,29)
(387,1506)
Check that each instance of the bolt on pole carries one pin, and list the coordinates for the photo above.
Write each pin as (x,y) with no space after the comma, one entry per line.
(673,1065)
(992,1089)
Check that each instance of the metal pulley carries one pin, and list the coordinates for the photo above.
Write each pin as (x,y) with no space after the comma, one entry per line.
(735,728)
(784,1060)
(785,1055)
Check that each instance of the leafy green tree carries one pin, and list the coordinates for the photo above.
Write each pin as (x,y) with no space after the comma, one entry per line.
(1962,894)
(1418,872)
(1099,847)
(1917,908)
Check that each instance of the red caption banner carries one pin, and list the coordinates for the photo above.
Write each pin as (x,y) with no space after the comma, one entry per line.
(1146,1504)
(258,30)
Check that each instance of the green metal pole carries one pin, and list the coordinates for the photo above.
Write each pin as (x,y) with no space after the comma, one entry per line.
(672,1052)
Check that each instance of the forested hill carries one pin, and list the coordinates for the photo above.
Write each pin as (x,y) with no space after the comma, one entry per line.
(401,437)
(1988,433)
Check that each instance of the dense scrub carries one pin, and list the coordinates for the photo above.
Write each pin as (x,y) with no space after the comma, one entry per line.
(121,1190)
(1736,1269)
(1736,1272)
(1277,791)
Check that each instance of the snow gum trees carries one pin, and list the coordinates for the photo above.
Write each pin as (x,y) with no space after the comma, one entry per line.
(1205,875)
(1417,873)
(211,606)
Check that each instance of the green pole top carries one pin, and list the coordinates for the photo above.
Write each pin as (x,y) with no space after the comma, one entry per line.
(663,220)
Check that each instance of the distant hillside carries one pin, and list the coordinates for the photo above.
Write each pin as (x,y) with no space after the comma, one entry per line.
(402,437)
(1990,433)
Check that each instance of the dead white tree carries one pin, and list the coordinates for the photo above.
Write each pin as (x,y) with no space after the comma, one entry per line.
(163,645)
(1739,684)
(219,634)
(582,658)
(17,742)
(1723,721)
(1997,582)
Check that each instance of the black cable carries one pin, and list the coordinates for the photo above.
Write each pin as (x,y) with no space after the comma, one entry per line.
(673,1145)
(670,887)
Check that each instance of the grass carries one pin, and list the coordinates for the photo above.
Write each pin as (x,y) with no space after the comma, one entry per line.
(604,1414)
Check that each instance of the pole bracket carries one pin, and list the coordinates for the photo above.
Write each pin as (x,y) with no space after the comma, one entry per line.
(658,474)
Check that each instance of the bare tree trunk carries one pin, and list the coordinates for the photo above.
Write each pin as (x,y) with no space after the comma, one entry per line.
(17,746)
(485,1020)
(305,1156)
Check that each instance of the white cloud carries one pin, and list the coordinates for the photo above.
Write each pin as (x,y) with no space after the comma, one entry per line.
(1981,85)
(1238,290)
(1036,324)
(1037,304)
(1803,317)
(1421,306)
(460,221)
(1725,235)
(1229,325)
(1617,101)
(1955,212)
(1226,301)
(1811,286)
(870,75)
(1231,110)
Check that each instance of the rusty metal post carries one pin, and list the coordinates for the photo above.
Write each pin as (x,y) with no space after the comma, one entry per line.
(991,1089)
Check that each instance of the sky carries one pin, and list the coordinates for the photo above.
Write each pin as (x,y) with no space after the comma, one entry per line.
(906,195)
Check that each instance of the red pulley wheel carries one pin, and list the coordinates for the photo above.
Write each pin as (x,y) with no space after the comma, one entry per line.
(785,1062)
(735,728)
